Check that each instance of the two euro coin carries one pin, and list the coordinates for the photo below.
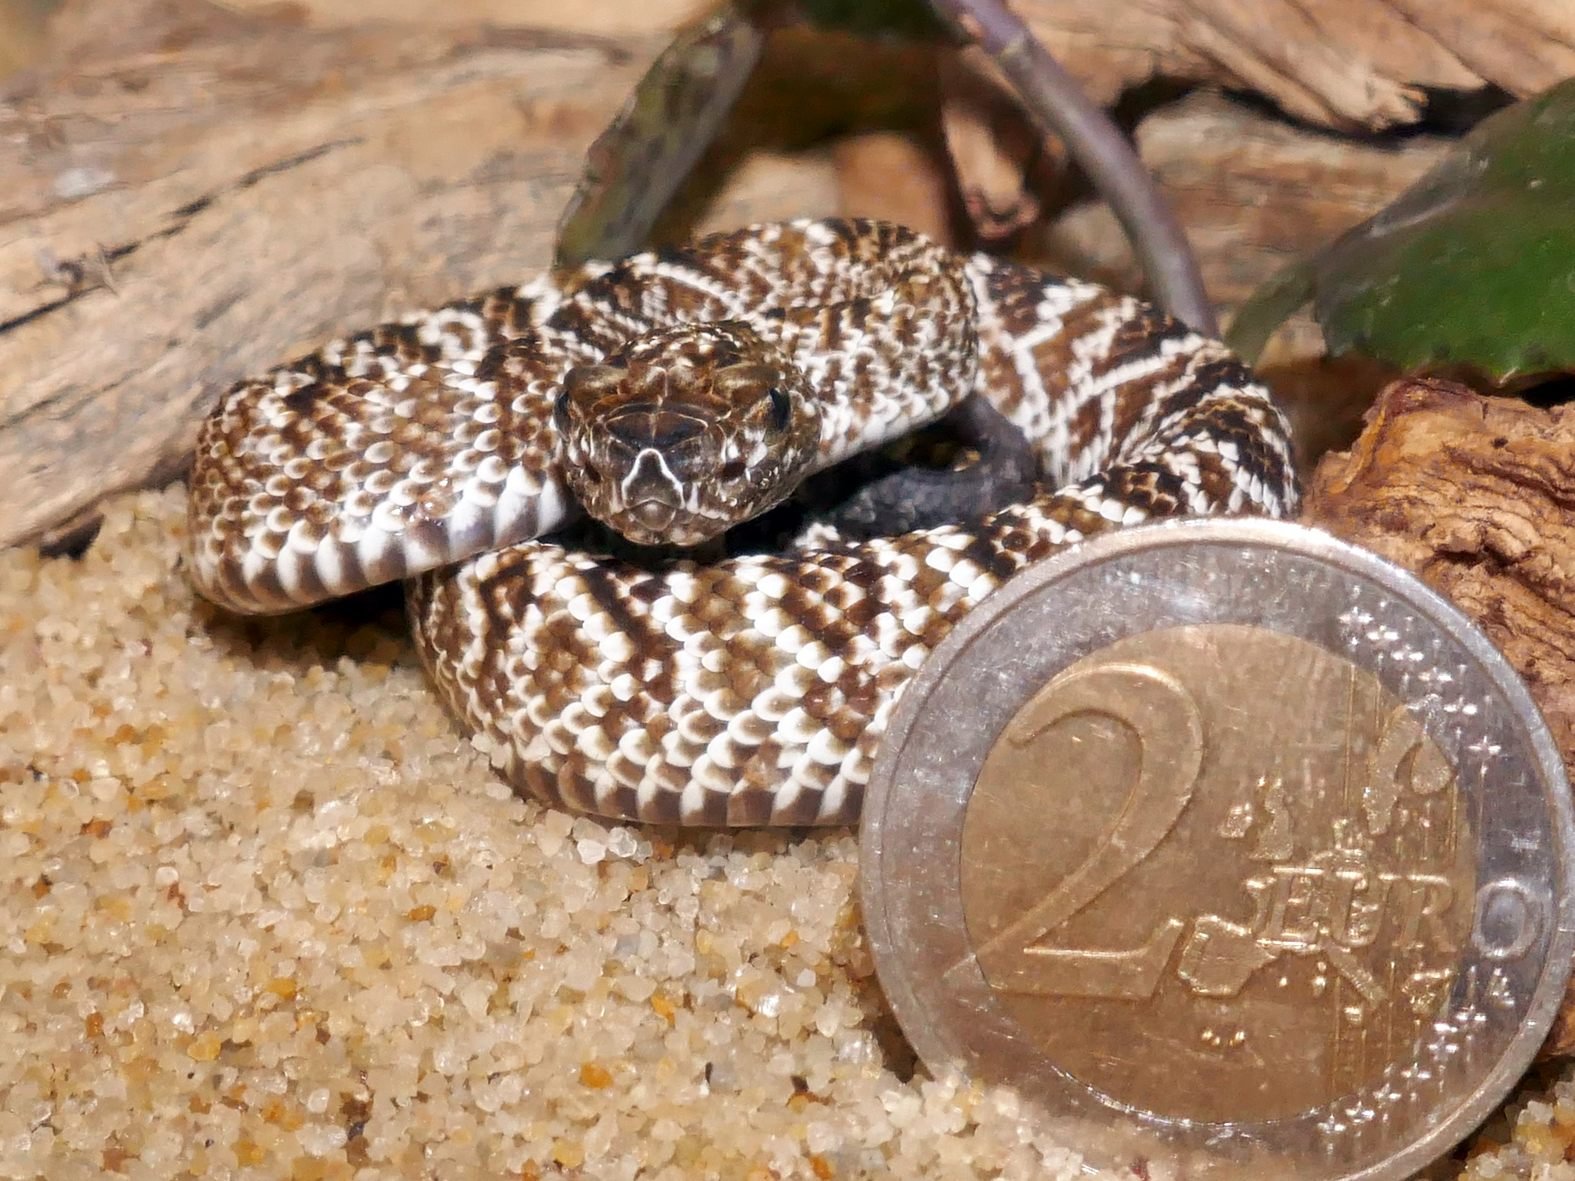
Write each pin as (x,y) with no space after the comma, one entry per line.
(1230,843)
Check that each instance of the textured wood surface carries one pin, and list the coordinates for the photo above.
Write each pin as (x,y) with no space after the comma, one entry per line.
(1344,64)
(1477,496)
(1340,63)
(190,207)
(196,192)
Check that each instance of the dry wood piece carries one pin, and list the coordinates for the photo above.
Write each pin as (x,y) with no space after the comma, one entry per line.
(1339,63)
(1004,164)
(1342,64)
(865,164)
(1477,496)
(180,214)
(1253,191)
(606,17)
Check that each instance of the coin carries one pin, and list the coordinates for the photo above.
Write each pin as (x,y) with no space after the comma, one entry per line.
(1232,843)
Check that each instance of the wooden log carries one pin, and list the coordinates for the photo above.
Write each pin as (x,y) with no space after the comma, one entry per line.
(182,215)
(1343,64)
(1253,192)
(1477,496)
(197,194)
(1347,64)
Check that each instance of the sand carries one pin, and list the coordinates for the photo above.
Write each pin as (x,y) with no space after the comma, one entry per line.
(266,914)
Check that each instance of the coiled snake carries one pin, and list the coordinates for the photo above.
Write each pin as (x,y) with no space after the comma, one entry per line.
(669,394)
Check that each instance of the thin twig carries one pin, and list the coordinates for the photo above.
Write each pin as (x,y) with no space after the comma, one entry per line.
(1100,148)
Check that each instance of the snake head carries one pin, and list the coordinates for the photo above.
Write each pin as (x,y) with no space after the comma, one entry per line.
(684,432)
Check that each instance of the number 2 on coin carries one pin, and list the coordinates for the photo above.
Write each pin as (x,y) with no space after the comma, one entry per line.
(1156,708)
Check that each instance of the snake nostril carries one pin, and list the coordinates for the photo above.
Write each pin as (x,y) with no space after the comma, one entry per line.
(733,469)
(781,409)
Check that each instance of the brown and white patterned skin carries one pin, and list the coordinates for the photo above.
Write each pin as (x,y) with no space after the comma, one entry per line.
(417,444)
(752,690)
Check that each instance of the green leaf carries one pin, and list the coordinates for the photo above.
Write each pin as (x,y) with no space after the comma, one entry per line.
(643,157)
(1473,266)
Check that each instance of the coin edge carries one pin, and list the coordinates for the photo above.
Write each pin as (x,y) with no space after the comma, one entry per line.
(1309,542)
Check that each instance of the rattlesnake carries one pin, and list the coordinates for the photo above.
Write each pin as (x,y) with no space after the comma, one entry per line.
(667,393)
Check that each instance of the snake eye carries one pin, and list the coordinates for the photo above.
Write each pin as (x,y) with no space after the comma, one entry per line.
(733,469)
(781,409)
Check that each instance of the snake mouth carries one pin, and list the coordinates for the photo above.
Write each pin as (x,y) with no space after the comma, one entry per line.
(654,515)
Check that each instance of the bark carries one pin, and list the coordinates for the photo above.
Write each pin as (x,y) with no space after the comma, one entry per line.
(1344,65)
(195,205)
(1477,496)
(196,193)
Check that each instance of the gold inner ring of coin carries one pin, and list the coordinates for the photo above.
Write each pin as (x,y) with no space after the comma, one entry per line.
(1218,873)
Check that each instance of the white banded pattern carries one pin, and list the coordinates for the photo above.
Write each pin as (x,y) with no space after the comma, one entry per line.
(752,690)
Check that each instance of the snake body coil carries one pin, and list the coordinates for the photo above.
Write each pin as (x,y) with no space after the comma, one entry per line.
(754,689)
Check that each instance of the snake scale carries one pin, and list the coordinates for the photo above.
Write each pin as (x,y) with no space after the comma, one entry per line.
(671,393)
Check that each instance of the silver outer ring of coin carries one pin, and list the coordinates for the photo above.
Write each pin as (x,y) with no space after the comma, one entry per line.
(1034,626)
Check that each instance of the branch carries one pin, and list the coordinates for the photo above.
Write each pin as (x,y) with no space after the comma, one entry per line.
(1100,148)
